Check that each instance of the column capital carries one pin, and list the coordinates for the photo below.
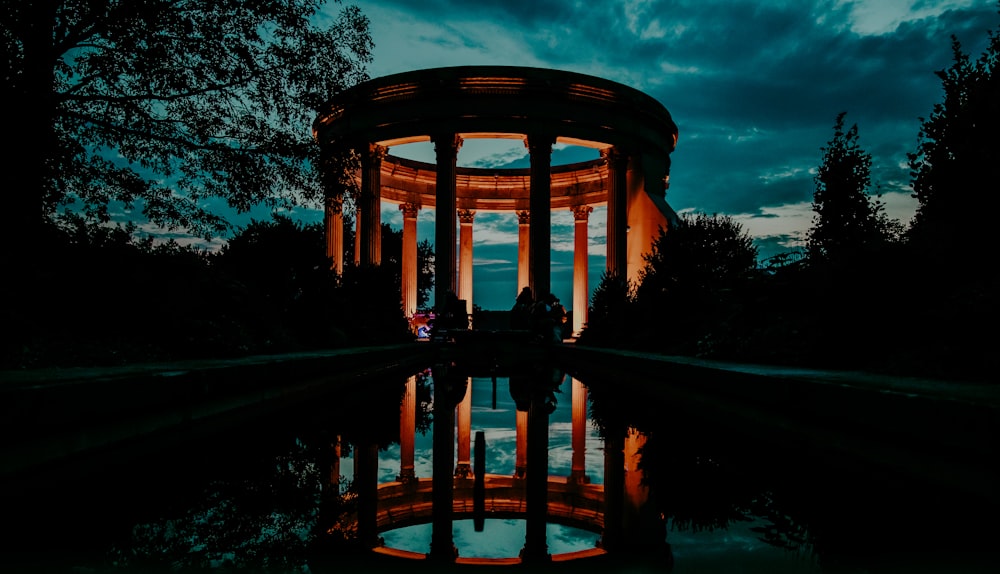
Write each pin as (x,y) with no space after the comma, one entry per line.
(373,151)
(523,217)
(447,142)
(334,204)
(614,156)
(466,215)
(409,210)
(581,212)
(539,143)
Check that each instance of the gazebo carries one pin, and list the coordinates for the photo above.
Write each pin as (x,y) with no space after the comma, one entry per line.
(634,133)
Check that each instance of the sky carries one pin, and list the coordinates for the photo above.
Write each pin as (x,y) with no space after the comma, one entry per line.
(753,86)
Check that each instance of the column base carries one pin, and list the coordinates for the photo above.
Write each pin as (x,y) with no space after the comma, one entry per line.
(519,472)
(442,556)
(406,476)
(579,477)
(535,555)
(463,470)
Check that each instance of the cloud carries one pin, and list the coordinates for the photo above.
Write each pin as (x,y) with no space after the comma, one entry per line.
(754,88)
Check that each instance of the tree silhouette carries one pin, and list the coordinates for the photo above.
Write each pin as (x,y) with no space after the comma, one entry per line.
(847,219)
(610,312)
(688,286)
(164,105)
(392,255)
(958,151)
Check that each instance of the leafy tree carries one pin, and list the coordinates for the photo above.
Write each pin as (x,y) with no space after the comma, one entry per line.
(847,219)
(689,285)
(954,167)
(165,105)
(700,252)
(608,319)
(392,255)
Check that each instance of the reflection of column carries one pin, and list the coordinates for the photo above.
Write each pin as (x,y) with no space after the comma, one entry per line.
(357,234)
(464,467)
(446,151)
(446,386)
(407,431)
(370,200)
(540,203)
(581,214)
(366,479)
(537,480)
(334,223)
(578,474)
(636,493)
(614,484)
(643,527)
(521,453)
(465,218)
(335,464)
(617,210)
(409,286)
(523,232)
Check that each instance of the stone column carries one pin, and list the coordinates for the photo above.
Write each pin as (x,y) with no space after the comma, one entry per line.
(370,204)
(463,468)
(578,472)
(581,289)
(523,232)
(465,218)
(357,235)
(409,285)
(446,148)
(521,450)
(334,223)
(407,432)
(540,204)
(617,210)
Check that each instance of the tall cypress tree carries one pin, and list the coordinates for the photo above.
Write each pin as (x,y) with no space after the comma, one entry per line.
(847,220)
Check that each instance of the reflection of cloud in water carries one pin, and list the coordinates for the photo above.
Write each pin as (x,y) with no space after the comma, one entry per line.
(388,464)
(501,448)
(500,538)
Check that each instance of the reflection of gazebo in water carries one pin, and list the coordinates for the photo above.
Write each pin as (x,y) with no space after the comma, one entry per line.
(634,133)
(619,509)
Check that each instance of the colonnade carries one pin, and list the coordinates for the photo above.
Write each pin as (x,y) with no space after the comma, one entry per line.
(534,226)
(625,496)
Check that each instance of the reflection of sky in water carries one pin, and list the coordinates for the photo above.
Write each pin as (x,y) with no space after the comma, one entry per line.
(734,549)
(500,538)
(498,425)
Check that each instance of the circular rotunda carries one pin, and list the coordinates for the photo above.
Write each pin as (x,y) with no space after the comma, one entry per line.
(634,133)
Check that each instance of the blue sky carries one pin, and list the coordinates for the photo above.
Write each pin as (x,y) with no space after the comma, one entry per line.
(754,87)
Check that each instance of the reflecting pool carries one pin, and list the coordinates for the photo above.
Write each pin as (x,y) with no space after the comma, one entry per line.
(311,487)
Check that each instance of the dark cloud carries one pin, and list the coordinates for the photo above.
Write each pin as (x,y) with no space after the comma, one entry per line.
(753,86)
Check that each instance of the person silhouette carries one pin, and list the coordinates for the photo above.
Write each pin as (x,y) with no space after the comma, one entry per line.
(520,314)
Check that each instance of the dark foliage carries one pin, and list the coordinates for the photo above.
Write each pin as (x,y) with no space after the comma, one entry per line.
(161,105)
(848,220)
(953,168)
(691,291)
(609,318)
(270,290)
